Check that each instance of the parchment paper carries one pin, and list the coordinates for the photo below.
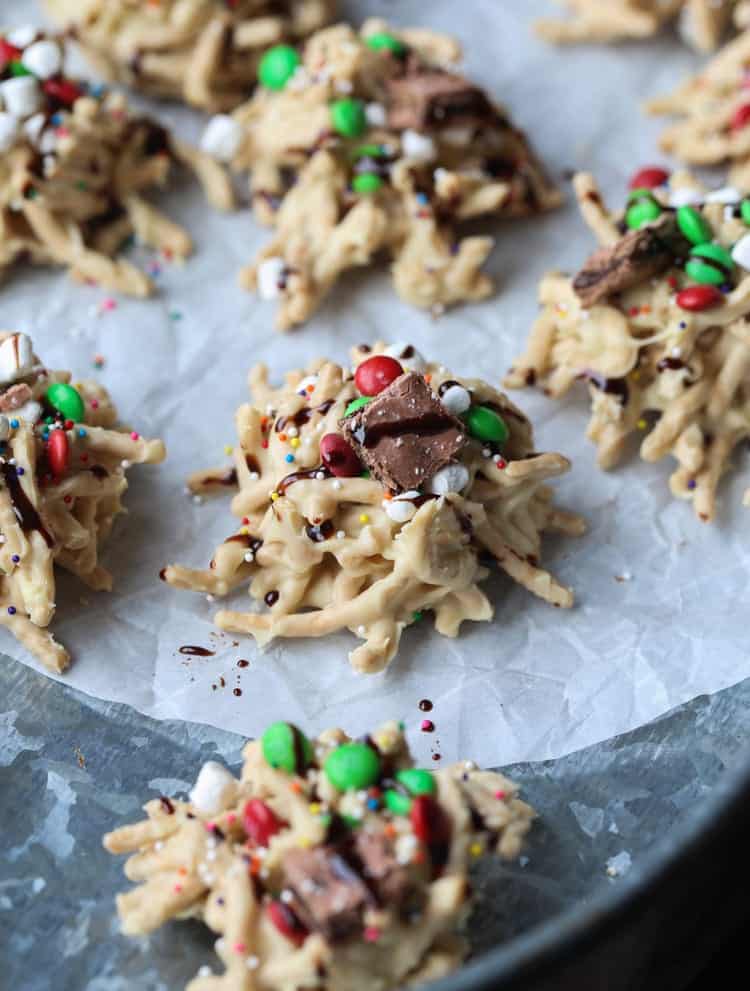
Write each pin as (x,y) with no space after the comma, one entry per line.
(662,599)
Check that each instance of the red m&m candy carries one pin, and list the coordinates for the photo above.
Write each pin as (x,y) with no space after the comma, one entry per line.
(58,452)
(740,118)
(260,821)
(649,178)
(376,374)
(698,298)
(286,922)
(8,53)
(62,90)
(339,457)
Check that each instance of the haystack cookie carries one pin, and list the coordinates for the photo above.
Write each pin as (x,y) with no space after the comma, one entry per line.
(370,143)
(204,52)
(701,23)
(332,864)
(62,476)
(714,114)
(370,498)
(656,324)
(74,163)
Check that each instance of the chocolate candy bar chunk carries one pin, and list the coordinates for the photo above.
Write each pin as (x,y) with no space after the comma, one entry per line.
(328,895)
(390,880)
(636,257)
(423,100)
(405,434)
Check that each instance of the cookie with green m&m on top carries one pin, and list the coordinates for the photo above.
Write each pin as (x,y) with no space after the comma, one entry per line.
(329,863)
(655,323)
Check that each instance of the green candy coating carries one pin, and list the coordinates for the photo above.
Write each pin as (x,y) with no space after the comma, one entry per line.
(485,424)
(367,182)
(66,400)
(745,211)
(382,41)
(693,225)
(348,117)
(281,744)
(398,804)
(352,766)
(356,404)
(277,66)
(18,69)
(703,271)
(643,210)
(417,780)
(368,151)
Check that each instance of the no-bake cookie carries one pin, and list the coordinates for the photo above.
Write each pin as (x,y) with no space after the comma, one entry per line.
(332,864)
(701,23)
(713,114)
(62,478)
(74,165)
(204,52)
(369,498)
(656,324)
(373,144)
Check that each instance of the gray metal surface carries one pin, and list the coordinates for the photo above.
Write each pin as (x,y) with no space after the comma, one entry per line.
(72,767)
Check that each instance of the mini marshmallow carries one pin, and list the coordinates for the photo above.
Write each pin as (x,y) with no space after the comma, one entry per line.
(401,509)
(16,357)
(214,790)
(34,126)
(413,362)
(270,272)
(22,36)
(43,59)
(375,114)
(22,95)
(30,412)
(452,478)
(418,146)
(727,194)
(8,131)
(456,399)
(741,252)
(4,427)
(222,138)
(685,196)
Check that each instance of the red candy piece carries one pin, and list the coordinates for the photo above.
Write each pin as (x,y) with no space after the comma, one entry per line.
(8,53)
(260,821)
(376,374)
(740,118)
(339,457)
(649,178)
(286,922)
(698,298)
(62,90)
(58,452)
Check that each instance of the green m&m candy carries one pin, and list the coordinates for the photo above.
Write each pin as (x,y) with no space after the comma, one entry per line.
(18,69)
(745,211)
(642,210)
(693,225)
(356,404)
(348,117)
(66,400)
(485,424)
(367,182)
(287,748)
(417,782)
(368,151)
(277,66)
(710,265)
(352,766)
(383,41)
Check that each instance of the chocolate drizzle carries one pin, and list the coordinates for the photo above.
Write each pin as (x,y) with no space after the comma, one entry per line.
(193,651)
(614,387)
(320,532)
(28,518)
(302,416)
(301,476)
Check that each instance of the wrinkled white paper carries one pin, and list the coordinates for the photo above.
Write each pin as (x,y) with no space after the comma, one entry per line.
(662,599)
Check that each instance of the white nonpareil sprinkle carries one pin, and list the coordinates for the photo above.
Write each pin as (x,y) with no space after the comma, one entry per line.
(253,476)
(214,789)
(451,478)
(337,484)
(252,963)
(205,971)
(43,59)
(270,273)
(222,138)
(249,556)
(22,96)
(419,147)
(287,897)
(375,114)
(456,399)
(198,500)
(8,131)
(125,464)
